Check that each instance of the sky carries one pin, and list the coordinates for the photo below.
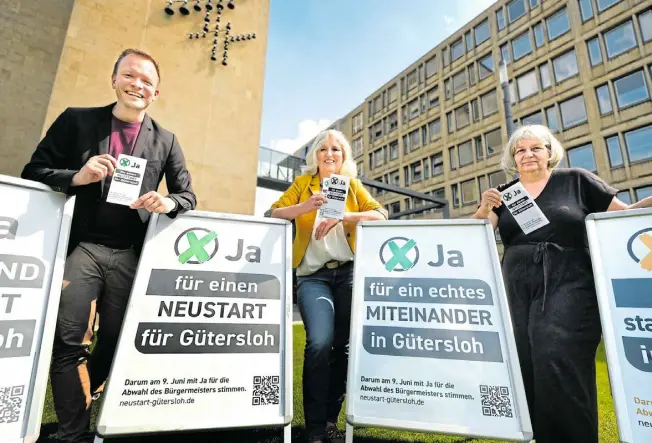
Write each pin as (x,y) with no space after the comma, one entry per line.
(325,57)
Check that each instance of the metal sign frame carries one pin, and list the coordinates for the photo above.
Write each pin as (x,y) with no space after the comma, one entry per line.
(511,360)
(606,317)
(35,398)
(285,327)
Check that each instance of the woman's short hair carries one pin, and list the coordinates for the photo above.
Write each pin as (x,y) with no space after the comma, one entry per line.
(529,132)
(349,168)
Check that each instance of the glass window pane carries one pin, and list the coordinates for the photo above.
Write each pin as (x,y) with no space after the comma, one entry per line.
(521,45)
(615,155)
(586,8)
(639,144)
(449,122)
(504,52)
(447,88)
(475,110)
(457,49)
(482,32)
(595,53)
(500,19)
(462,116)
(456,197)
(558,24)
(604,99)
(551,116)
(434,127)
(431,66)
(625,197)
(533,119)
(539,38)
(631,89)
(437,164)
(643,192)
(604,4)
(544,71)
(573,112)
(489,103)
(534,3)
(486,67)
(582,157)
(527,84)
(465,152)
(469,41)
(515,10)
(620,39)
(469,192)
(565,66)
(479,152)
(645,22)
(451,158)
(472,75)
(497,178)
(459,81)
(494,141)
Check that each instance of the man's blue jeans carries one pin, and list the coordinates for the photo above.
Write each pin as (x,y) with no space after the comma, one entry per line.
(324,300)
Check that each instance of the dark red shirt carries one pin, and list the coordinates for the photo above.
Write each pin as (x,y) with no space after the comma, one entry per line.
(123,137)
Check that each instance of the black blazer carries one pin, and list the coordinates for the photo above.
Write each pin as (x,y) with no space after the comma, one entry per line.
(80,133)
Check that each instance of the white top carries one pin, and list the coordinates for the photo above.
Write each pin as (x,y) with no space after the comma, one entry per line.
(319,252)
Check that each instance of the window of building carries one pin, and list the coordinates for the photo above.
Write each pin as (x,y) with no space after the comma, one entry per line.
(475,110)
(482,32)
(469,192)
(408,203)
(395,178)
(356,147)
(631,89)
(471,70)
(551,117)
(379,157)
(527,84)
(500,19)
(449,122)
(455,195)
(606,4)
(357,123)
(604,99)
(595,53)
(533,119)
(493,141)
(645,23)
(447,88)
(393,150)
(360,167)
(415,140)
(462,116)
(469,41)
(392,121)
(544,74)
(406,145)
(615,154)
(573,112)
(625,197)
(504,53)
(413,109)
(515,10)
(433,97)
(639,144)
(497,178)
(521,45)
(434,128)
(479,151)
(451,157)
(582,157)
(392,92)
(395,208)
(457,49)
(424,135)
(539,38)
(431,66)
(415,170)
(489,103)
(485,67)
(412,79)
(482,184)
(620,39)
(558,24)
(437,164)
(446,56)
(586,9)
(565,66)
(644,192)
(459,81)
(512,91)
(534,4)
(465,153)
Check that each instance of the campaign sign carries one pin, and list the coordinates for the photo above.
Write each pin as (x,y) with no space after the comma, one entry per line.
(432,347)
(34,228)
(621,253)
(206,339)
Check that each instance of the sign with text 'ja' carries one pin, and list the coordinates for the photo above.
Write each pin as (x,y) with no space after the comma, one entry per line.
(206,339)
(621,252)
(34,228)
(432,347)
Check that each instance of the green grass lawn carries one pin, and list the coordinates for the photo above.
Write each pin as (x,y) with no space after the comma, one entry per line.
(608,430)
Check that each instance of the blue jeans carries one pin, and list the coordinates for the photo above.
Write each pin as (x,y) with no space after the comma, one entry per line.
(325,305)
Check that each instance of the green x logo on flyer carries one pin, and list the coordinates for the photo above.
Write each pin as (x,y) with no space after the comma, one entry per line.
(124,162)
(400,255)
(196,248)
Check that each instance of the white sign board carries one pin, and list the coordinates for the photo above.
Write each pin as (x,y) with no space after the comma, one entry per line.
(432,347)
(34,228)
(206,339)
(621,252)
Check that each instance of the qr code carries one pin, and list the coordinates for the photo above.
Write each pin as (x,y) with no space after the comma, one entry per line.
(496,401)
(11,402)
(266,390)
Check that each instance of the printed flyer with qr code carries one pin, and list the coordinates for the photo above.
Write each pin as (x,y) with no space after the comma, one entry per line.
(205,339)
(432,347)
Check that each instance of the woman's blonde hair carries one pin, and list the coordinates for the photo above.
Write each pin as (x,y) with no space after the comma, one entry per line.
(529,132)
(349,168)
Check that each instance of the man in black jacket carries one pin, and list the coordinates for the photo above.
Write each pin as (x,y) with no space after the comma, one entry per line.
(78,156)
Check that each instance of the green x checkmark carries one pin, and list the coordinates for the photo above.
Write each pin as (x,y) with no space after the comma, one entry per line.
(399,256)
(196,248)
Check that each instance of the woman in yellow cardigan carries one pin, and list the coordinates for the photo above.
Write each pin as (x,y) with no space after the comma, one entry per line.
(323,252)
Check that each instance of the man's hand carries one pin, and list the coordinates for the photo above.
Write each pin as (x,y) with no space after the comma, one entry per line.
(324,227)
(95,169)
(154,202)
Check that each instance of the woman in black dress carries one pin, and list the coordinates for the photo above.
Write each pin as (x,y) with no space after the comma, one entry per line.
(550,286)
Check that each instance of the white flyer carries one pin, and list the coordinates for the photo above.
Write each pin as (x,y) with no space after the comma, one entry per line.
(523,208)
(335,188)
(127,180)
